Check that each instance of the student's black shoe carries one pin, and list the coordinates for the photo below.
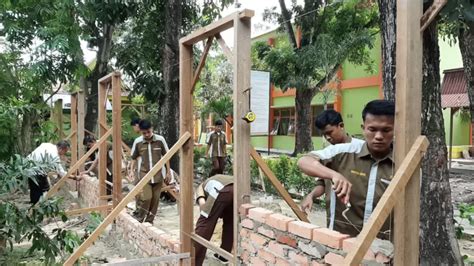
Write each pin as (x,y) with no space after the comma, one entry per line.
(221,259)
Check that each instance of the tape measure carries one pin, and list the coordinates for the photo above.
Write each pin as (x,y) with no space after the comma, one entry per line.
(249,117)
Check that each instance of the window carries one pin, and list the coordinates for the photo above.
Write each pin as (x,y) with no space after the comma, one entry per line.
(283,121)
(316,110)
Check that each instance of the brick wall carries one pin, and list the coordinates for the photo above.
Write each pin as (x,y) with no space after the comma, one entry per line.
(269,238)
(147,239)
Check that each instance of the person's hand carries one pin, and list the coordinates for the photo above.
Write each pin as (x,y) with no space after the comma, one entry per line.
(201,202)
(168,178)
(342,187)
(307,203)
(130,176)
(83,173)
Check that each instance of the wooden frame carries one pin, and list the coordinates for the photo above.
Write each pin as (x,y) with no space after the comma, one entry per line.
(240,58)
(73,134)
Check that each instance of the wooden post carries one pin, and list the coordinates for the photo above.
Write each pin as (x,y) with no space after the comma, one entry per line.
(451,116)
(408,126)
(241,65)
(117,137)
(102,119)
(81,116)
(186,155)
(58,118)
(74,128)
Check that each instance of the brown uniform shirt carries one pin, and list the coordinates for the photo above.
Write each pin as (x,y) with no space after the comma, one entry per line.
(150,153)
(369,179)
(217,142)
(210,190)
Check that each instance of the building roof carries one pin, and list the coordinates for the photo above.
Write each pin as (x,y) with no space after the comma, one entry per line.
(454,89)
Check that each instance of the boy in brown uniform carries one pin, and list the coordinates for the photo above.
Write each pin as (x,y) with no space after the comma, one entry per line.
(215,198)
(359,172)
(216,149)
(150,147)
(90,141)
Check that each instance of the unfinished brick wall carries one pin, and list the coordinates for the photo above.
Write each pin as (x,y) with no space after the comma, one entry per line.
(147,239)
(269,238)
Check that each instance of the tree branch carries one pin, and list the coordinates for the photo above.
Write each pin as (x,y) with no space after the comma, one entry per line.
(330,75)
(287,22)
(54,93)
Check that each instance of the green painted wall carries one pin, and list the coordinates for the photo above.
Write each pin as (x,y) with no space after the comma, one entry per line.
(284,143)
(352,71)
(287,101)
(461,127)
(259,141)
(353,101)
(449,56)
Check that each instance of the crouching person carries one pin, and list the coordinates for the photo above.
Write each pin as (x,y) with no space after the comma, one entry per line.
(215,198)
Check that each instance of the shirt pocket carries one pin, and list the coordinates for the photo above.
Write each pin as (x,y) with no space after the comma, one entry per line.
(156,154)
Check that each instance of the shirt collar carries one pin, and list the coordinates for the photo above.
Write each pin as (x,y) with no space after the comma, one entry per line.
(365,153)
(348,138)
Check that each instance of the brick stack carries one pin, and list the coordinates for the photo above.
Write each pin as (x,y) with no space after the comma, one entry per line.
(89,191)
(269,238)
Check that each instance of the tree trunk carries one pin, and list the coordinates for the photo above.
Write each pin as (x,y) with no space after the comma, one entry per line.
(25,144)
(303,142)
(168,120)
(438,244)
(466,45)
(388,26)
(100,70)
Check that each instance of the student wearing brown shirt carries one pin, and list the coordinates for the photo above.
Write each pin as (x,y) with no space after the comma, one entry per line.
(216,149)
(359,172)
(90,141)
(215,198)
(150,147)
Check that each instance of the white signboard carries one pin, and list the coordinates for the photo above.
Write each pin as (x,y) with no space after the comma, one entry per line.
(260,102)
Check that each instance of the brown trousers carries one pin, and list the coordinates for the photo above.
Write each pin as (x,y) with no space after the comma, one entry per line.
(223,208)
(147,202)
(218,165)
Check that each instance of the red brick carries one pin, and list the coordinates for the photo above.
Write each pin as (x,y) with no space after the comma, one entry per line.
(329,237)
(244,233)
(298,259)
(244,209)
(334,259)
(245,256)
(257,239)
(247,223)
(259,214)
(279,221)
(256,261)
(288,240)
(381,258)
(164,239)
(316,263)
(266,232)
(282,262)
(177,248)
(348,245)
(276,248)
(268,256)
(302,229)
(247,246)
(171,242)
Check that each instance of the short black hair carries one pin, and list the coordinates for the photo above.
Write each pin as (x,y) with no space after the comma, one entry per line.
(379,107)
(218,123)
(144,124)
(88,139)
(328,117)
(135,121)
(62,144)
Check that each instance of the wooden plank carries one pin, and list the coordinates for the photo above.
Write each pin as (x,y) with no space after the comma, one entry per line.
(225,49)
(431,13)
(215,27)
(117,138)
(186,156)
(383,209)
(102,120)
(228,256)
(278,186)
(73,135)
(124,145)
(450,154)
(130,196)
(241,82)
(202,61)
(74,168)
(407,127)
(87,210)
(81,116)
(144,261)
(107,78)
(58,118)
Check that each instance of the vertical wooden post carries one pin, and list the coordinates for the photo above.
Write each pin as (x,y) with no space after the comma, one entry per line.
(58,117)
(186,154)
(241,65)
(117,137)
(81,116)
(408,126)
(102,120)
(451,112)
(74,128)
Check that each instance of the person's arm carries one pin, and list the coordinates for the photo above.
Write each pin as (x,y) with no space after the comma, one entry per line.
(200,195)
(208,142)
(318,190)
(164,150)
(134,156)
(312,167)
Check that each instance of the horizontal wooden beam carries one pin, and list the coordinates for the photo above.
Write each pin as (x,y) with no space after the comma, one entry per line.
(129,197)
(212,29)
(108,78)
(387,201)
(278,186)
(226,255)
(91,209)
(152,261)
(76,166)
(71,135)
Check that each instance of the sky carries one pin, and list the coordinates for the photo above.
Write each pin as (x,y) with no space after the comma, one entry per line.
(258,25)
